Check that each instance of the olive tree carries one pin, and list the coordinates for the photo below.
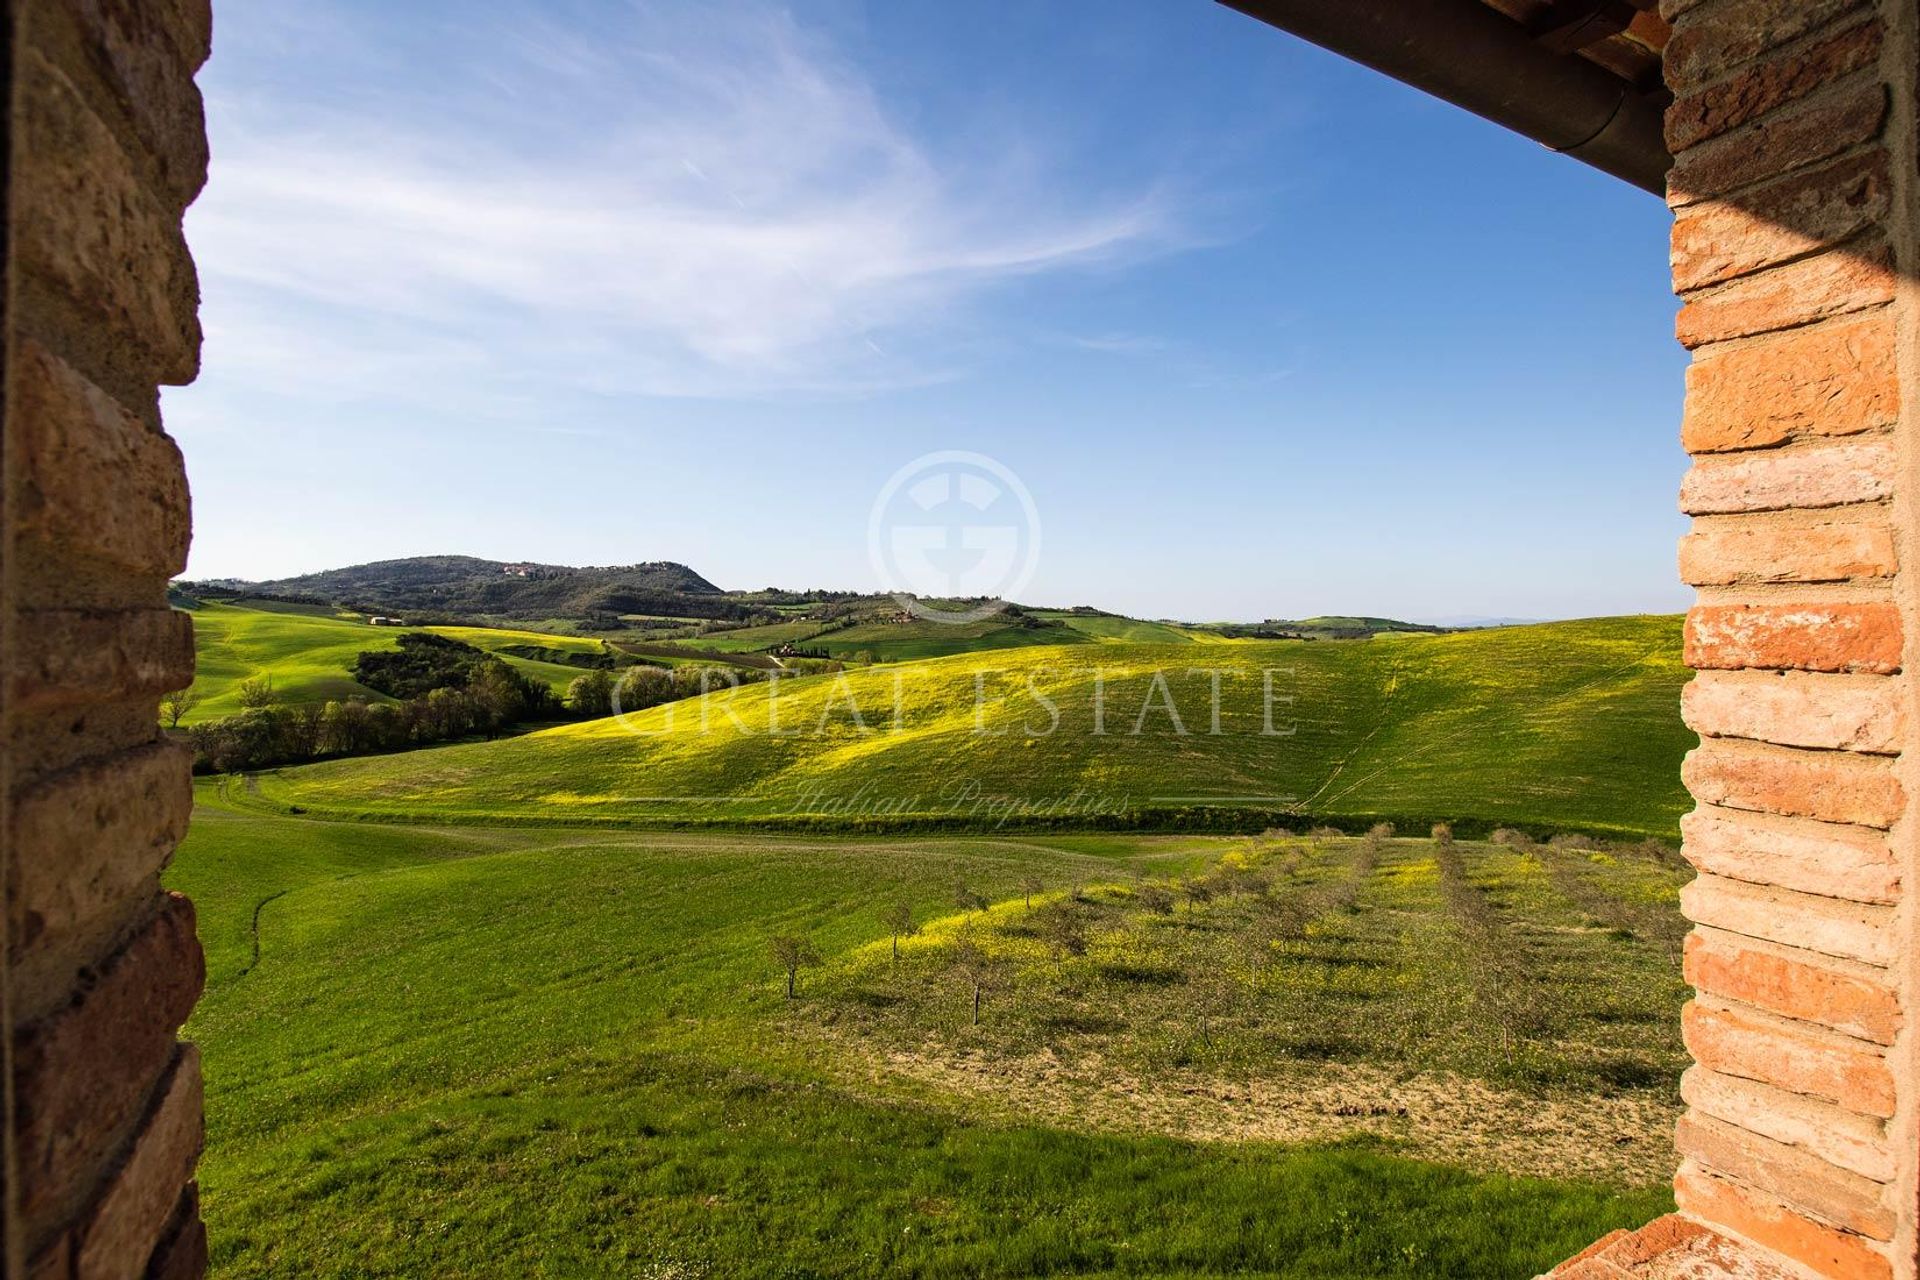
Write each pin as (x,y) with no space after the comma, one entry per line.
(178,704)
(791,953)
(898,917)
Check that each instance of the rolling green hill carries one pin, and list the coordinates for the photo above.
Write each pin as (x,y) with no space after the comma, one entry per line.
(1111,626)
(887,641)
(309,651)
(1569,725)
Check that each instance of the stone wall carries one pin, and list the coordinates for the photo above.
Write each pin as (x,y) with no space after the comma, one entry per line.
(106,148)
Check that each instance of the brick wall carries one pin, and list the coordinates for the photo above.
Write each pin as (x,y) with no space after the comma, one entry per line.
(106,148)
(1793,192)
(1794,250)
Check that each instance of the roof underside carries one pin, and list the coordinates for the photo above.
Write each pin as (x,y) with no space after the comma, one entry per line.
(1580,76)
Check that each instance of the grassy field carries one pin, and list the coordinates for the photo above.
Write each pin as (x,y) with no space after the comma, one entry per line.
(1564,726)
(756,639)
(920,639)
(309,651)
(1106,626)
(475,1051)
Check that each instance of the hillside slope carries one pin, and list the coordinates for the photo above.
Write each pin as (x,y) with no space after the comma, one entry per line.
(1562,726)
(468,585)
(309,654)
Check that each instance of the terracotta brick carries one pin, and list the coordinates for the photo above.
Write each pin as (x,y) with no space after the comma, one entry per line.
(1832,786)
(1841,1138)
(1804,1181)
(1832,926)
(1798,709)
(1713,42)
(82,215)
(1861,637)
(1754,1046)
(83,1076)
(150,52)
(1827,1251)
(1852,278)
(1587,1268)
(1701,113)
(1833,380)
(86,839)
(1720,240)
(1748,551)
(73,656)
(1571,1269)
(1677,1248)
(1661,1236)
(95,478)
(1780,143)
(1825,858)
(132,1217)
(1810,478)
(1855,1000)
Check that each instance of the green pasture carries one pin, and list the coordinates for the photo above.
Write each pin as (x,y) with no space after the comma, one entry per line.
(543,1052)
(308,653)
(1563,726)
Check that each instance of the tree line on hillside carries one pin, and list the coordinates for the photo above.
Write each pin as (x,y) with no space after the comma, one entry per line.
(443,690)
(476,693)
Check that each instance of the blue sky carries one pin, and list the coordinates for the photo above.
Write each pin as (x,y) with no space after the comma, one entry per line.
(597,281)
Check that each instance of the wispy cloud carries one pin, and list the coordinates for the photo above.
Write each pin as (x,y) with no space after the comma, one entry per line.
(705,201)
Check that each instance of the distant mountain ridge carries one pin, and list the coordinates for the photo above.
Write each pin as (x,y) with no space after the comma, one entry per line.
(648,594)
(470,585)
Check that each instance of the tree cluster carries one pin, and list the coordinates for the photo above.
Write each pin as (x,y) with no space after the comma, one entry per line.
(492,697)
(420,663)
(643,685)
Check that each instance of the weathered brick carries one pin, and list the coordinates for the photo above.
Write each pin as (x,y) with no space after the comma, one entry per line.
(1855,1000)
(1840,281)
(1779,144)
(1699,114)
(1805,1181)
(54,1261)
(69,656)
(86,839)
(1816,476)
(150,50)
(1798,709)
(1832,380)
(1720,240)
(1823,858)
(1713,42)
(84,1075)
(1841,1138)
(183,1254)
(1658,1239)
(1574,1268)
(1832,926)
(1833,786)
(1674,1247)
(1847,636)
(131,1219)
(1748,550)
(85,221)
(1828,1251)
(1755,1046)
(94,478)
